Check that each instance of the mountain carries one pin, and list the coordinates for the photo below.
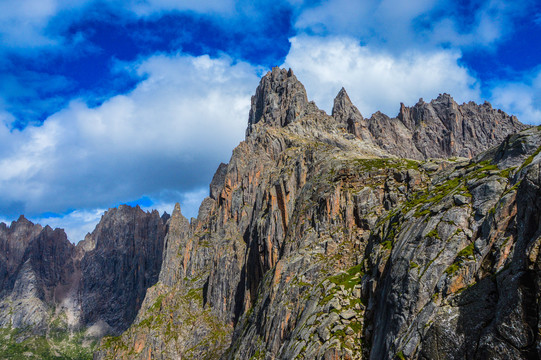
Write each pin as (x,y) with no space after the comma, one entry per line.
(339,237)
(58,299)
(324,237)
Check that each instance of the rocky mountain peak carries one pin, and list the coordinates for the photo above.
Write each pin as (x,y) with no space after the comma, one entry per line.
(440,128)
(177,212)
(444,99)
(349,116)
(341,100)
(126,238)
(23,225)
(165,216)
(343,109)
(23,220)
(279,100)
(217,182)
(48,284)
(14,240)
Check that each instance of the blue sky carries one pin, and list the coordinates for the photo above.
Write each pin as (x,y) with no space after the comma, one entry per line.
(110,102)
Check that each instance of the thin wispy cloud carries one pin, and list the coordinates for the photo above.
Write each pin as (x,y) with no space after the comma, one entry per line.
(400,25)
(521,98)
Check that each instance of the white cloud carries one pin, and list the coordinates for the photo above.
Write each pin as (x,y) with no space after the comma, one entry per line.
(521,98)
(23,23)
(76,223)
(168,134)
(376,80)
(397,25)
(490,23)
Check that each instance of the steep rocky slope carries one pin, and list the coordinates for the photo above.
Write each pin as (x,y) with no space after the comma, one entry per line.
(317,242)
(58,299)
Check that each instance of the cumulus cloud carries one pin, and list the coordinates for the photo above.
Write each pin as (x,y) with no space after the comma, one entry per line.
(376,80)
(166,136)
(521,98)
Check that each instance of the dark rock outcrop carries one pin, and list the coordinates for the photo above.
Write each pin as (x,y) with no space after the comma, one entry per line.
(279,100)
(13,242)
(37,267)
(460,279)
(350,117)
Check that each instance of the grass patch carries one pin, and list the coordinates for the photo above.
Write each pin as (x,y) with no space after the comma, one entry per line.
(463,255)
(434,234)
(530,158)
(432,196)
(467,252)
(350,278)
(66,347)
(378,163)
(507,172)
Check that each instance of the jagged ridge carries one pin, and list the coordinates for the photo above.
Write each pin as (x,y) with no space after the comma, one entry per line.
(314,244)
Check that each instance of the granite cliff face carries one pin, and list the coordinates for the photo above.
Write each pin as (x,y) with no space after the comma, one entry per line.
(336,236)
(57,299)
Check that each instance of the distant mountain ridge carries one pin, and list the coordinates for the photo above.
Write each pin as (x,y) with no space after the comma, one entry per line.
(95,287)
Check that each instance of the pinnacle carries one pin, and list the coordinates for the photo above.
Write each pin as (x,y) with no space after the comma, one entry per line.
(341,101)
(343,109)
(176,211)
(279,99)
(342,93)
(22,220)
(444,98)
